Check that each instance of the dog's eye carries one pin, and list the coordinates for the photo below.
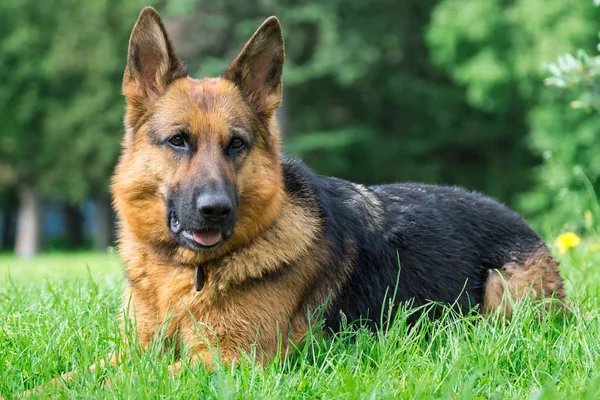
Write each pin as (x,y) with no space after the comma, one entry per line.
(236,144)
(177,141)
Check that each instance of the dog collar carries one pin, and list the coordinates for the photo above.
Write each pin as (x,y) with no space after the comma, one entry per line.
(198,278)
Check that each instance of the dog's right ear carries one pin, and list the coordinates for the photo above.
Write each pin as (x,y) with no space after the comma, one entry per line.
(151,63)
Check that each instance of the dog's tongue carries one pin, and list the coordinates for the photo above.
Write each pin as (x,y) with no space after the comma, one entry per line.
(207,238)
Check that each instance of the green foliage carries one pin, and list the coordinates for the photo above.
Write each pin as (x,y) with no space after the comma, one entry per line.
(59,323)
(362,69)
(497,50)
(436,91)
(60,75)
(580,74)
(571,165)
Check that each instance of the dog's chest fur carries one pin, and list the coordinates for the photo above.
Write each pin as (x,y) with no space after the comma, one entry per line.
(259,291)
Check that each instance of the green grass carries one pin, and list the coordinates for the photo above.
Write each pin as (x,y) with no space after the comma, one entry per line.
(60,313)
(58,266)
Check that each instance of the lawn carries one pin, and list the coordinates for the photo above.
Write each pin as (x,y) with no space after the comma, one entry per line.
(60,312)
(58,266)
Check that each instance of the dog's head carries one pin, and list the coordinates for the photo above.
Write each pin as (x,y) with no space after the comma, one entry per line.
(200,168)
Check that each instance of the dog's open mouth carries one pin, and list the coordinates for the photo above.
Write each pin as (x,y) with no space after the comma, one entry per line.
(203,238)
(206,238)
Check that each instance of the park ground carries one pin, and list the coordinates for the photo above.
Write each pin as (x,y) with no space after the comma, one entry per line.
(60,312)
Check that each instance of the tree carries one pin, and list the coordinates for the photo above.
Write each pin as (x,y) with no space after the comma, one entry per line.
(61,65)
(25,81)
(88,71)
(579,75)
(497,49)
(363,99)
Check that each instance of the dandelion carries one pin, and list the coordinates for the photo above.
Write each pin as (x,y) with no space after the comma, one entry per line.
(567,240)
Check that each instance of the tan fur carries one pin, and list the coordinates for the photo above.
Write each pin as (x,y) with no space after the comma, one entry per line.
(260,284)
(144,173)
(235,303)
(536,277)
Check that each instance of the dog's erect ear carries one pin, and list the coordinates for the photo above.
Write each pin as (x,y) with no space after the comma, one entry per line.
(257,69)
(151,63)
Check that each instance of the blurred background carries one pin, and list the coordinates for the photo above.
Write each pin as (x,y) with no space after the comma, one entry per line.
(445,92)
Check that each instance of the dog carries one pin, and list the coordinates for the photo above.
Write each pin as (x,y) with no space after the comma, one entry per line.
(237,245)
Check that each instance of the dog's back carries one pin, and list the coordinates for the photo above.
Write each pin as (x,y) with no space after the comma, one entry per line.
(432,243)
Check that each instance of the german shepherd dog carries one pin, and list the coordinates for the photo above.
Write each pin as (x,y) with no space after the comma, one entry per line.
(236,245)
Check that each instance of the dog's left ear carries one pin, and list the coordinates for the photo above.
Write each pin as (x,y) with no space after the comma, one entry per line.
(258,68)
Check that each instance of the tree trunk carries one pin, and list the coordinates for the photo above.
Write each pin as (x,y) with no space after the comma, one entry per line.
(8,238)
(28,239)
(74,226)
(103,234)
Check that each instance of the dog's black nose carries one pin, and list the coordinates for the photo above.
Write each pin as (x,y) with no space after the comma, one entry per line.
(214,206)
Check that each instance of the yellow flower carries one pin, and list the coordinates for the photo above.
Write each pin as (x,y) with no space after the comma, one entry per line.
(567,240)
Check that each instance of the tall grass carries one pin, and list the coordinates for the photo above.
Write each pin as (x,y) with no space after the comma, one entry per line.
(58,324)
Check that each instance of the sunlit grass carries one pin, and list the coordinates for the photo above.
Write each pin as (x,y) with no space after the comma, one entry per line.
(58,265)
(67,317)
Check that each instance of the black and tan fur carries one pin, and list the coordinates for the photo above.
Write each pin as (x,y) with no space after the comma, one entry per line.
(291,239)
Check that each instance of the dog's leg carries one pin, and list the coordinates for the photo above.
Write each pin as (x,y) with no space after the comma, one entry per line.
(199,356)
(113,358)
